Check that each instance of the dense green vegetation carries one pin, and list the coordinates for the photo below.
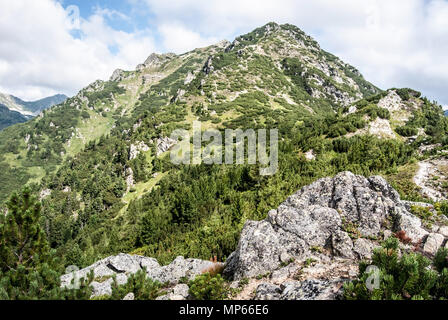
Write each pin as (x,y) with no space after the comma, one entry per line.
(406,277)
(208,287)
(139,284)
(29,269)
(210,203)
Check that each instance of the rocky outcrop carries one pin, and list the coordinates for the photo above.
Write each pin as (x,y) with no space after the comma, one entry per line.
(306,249)
(208,66)
(342,216)
(123,265)
(136,148)
(431,177)
(129,178)
(117,75)
(164,144)
(392,102)
(44,193)
(299,290)
(155,60)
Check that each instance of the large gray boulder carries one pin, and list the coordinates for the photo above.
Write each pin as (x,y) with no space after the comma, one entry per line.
(124,264)
(178,269)
(325,215)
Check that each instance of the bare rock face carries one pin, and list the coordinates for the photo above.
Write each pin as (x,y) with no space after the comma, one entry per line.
(391,102)
(136,148)
(178,269)
(129,178)
(325,214)
(164,144)
(312,289)
(155,60)
(424,178)
(117,75)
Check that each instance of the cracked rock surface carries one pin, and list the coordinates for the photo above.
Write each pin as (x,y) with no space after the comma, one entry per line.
(341,216)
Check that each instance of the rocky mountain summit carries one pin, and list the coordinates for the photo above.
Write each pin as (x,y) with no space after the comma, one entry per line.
(305,249)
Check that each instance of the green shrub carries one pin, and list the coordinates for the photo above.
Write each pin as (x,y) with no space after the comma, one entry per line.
(406,131)
(406,93)
(207,287)
(29,269)
(401,278)
(140,285)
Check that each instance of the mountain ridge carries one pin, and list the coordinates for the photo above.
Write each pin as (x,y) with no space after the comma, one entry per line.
(30,108)
(20,111)
(8,117)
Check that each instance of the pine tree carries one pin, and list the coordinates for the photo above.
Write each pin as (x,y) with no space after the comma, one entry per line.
(404,277)
(22,241)
(28,268)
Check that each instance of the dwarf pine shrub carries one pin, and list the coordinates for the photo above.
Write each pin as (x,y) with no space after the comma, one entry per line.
(208,287)
(408,277)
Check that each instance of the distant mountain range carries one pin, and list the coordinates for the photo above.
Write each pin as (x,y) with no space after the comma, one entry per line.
(446,113)
(8,117)
(15,110)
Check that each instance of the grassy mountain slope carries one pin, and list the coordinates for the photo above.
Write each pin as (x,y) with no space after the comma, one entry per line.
(106,186)
(37,148)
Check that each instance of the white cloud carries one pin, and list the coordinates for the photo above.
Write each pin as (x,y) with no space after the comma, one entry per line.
(178,39)
(40,56)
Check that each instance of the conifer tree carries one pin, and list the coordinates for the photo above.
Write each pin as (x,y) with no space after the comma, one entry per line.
(28,268)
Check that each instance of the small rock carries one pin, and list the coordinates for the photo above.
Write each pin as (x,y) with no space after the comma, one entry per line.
(129,296)
(181,290)
(310,290)
(285,257)
(364,248)
(342,244)
(387,234)
(433,243)
(267,291)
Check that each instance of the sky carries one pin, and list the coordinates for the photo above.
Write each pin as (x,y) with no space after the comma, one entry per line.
(60,46)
